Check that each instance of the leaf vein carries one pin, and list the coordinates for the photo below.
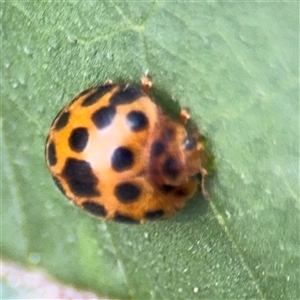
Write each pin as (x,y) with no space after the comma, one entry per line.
(223,225)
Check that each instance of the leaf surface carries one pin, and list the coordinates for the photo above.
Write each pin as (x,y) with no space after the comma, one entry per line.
(235,65)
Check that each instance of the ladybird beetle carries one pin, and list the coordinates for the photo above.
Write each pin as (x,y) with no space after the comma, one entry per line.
(114,153)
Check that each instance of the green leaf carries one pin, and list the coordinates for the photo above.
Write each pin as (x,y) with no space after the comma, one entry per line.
(236,66)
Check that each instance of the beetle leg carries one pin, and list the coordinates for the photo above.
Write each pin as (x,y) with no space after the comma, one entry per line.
(146,84)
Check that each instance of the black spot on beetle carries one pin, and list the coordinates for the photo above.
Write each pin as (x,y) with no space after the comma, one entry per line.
(78,139)
(51,154)
(80,178)
(58,184)
(127,192)
(56,118)
(94,208)
(124,219)
(47,140)
(104,116)
(168,134)
(166,188)
(181,192)
(83,93)
(97,95)
(137,121)
(122,159)
(157,149)
(62,120)
(154,215)
(125,96)
(170,167)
